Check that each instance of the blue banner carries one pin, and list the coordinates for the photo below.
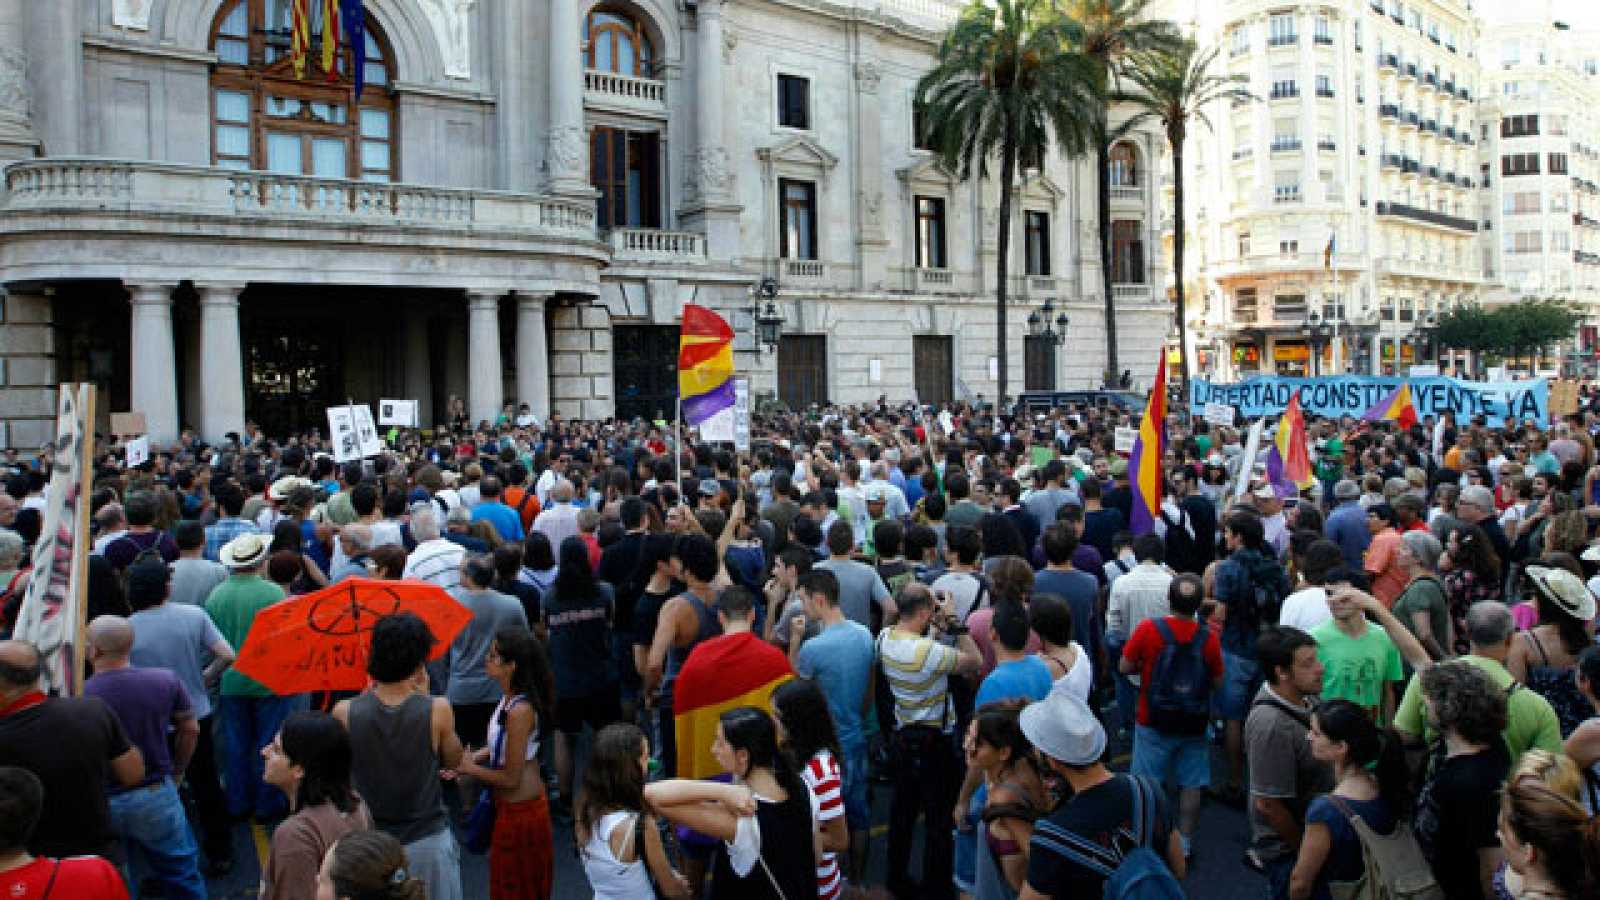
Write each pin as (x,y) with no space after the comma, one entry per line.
(1353,395)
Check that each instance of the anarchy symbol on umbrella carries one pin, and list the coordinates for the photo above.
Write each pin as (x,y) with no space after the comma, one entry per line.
(351,613)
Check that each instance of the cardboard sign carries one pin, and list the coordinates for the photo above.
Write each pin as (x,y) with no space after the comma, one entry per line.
(741,415)
(138,451)
(1126,438)
(128,423)
(1220,414)
(366,432)
(398,412)
(1563,398)
(342,433)
(719,427)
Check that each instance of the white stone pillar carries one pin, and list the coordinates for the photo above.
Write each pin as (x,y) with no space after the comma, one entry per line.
(221,362)
(153,380)
(712,171)
(567,151)
(484,374)
(533,355)
(17,140)
(419,364)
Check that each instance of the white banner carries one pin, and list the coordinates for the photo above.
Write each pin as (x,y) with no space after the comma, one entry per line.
(138,451)
(741,415)
(398,412)
(366,432)
(1220,414)
(1126,438)
(52,613)
(342,433)
(719,427)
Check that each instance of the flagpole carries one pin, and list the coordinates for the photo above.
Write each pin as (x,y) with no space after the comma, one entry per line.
(677,446)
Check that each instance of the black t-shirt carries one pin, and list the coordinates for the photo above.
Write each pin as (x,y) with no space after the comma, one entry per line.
(69,744)
(527,595)
(1458,813)
(1102,818)
(619,564)
(647,613)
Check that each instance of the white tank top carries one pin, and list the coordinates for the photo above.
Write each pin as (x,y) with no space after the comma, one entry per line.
(609,877)
(494,730)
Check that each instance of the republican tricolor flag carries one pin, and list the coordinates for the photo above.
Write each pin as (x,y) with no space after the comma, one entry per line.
(705,364)
(721,674)
(1397,407)
(1148,450)
(1289,460)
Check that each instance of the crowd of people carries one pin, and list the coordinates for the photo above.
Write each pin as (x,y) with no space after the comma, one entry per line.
(707,662)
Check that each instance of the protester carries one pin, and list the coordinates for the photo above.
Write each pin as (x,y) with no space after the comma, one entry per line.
(1284,775)
(1457,815)
(619,838)
(1471,575)
(1422,606)
(309,761)
(1546,656)
(473,693)
(27,873)
(577,612)
(1548,840)
(805,731)
(367,864)
(1249,587)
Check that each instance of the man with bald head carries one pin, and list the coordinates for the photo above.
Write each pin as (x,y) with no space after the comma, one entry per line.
(148,816)
(75,745)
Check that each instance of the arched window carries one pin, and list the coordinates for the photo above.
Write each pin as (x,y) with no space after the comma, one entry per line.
(618,42)
(1124,165)
(265,118)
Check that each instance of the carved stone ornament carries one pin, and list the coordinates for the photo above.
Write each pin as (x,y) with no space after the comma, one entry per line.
(872,210)
(450,20)
(867,77)
(131,14)
(730,42)
(566,150)
(14,82)
(710,175)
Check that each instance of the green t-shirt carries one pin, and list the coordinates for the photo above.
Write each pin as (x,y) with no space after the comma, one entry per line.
(1530,721)
(1040,455)
(1355,669)
(1425,594)
(1330,461)
(233,605)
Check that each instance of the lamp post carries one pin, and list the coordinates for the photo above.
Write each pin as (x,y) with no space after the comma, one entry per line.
(767,318)
(1320,332)
(1048,334)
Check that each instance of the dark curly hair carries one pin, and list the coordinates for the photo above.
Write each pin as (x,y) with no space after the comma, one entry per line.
(1465,701)
(807,722)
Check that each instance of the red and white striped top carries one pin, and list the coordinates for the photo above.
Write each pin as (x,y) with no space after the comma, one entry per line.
(821,775)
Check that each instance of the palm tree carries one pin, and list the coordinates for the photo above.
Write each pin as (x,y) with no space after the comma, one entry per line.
(1106,33)
(1173,87)
(1004,84)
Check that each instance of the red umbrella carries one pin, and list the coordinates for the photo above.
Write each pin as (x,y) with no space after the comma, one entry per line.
(319,641)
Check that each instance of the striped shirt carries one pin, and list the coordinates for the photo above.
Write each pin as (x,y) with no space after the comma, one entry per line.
(821,775)
(918,670)
(437,561)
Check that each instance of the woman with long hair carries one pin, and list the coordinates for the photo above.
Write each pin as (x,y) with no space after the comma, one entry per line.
(1370,781)
(368,865)
(1470,571)
(805,730)
(996,747)
(1583,745)
(538,561)
(309,761)
(776,859)
(521,861)
(1550,841)
(577,615)
(618,837)
(1546,656)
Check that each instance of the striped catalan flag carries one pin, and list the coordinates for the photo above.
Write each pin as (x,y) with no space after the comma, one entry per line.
(721,674)
(330,39)
(300,36)
(705,364)
(1144,466)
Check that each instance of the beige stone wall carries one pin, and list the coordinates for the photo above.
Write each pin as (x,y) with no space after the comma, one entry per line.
(27,370)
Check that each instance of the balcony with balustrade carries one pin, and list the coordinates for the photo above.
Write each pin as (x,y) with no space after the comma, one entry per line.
(651,245)
(624,93)
(124,218)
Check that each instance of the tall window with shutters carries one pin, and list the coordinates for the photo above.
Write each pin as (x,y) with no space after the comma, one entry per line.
(263,117)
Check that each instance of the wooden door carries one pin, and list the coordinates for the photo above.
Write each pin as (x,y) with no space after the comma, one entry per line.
(802,370)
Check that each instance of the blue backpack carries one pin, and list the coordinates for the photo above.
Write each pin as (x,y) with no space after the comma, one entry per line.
(1141,873)
(1180,688)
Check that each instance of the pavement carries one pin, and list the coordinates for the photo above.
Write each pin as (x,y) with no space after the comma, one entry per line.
(1217,871)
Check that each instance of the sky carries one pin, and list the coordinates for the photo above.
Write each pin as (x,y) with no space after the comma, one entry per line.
(1577,13)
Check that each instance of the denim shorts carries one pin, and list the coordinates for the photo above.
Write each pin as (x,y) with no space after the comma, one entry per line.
(1186,757)
(1241,679)
(854,780)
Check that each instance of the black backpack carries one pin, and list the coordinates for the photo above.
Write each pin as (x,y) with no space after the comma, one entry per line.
(1179,692)
(1183,550)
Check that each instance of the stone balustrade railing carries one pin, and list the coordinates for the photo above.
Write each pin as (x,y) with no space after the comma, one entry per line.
(653,245)
(805,269)
(625,87)
(87,185)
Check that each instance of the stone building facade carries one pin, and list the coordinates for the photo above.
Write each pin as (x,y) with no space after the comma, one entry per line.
(506,216)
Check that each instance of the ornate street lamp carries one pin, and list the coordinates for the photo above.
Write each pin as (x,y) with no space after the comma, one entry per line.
(1320,333)
(1040,324)
(768,320)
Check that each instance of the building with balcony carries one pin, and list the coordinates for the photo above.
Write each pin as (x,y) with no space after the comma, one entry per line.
(505,216)
(1539,147)
(1367,108)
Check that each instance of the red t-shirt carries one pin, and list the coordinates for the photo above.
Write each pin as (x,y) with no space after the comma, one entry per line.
(1144,648)
(79,877)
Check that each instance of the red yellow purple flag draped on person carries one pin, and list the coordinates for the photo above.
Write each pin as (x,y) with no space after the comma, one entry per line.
(721,674)
(705,364)
(1148,449)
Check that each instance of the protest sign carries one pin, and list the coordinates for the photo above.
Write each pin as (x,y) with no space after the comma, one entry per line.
(1126,438)
(138,452)
(1220,413)
(398,412)
(1354,395)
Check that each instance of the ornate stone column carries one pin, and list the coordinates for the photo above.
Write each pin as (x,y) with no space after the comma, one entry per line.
(153,382)
(710,206)
(533,355)
(871,242)
(17,140)
(567,151)
(221,362)
(484,375)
